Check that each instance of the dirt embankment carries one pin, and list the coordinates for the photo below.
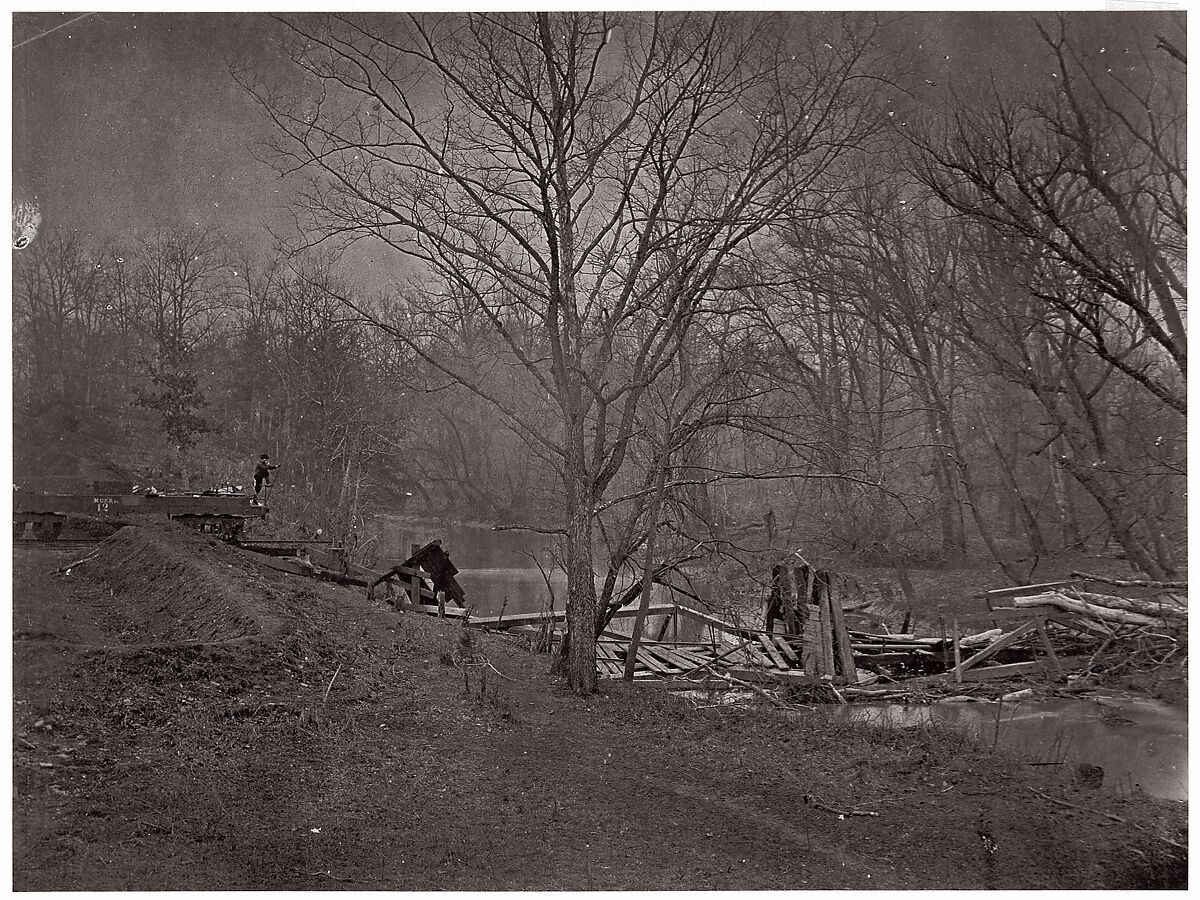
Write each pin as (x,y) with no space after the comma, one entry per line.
(186,719)
(176,585)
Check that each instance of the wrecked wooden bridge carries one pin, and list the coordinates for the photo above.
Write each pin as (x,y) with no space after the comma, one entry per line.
(1044,630)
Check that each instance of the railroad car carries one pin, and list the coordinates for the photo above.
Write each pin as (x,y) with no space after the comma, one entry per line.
(223,514)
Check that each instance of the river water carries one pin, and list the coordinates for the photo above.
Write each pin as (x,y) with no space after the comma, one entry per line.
(1140,743)
(498,570)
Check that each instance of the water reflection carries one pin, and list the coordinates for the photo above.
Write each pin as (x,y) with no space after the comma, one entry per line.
(470,546)
(1140,743)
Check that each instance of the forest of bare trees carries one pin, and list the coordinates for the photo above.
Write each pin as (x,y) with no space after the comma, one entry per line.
(666,278)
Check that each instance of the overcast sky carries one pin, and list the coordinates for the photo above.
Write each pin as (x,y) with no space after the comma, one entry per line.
(128,121)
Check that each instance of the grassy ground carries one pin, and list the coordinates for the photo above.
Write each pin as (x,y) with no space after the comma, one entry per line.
(185,719)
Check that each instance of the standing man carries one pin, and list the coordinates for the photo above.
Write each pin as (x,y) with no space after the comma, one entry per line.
(262,475)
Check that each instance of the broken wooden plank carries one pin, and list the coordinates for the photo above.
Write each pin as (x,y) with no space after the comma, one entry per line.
(693,658)
(786,649)
(992,673)
(841,640)
(650,662)
(452,612)
(514,619)
(656,653)
(674,657)
(1005,640)
(560,616)
(825,635)
(758,657)
(604,651)
(773,652)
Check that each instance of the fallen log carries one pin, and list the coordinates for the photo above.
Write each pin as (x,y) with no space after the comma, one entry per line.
(1118,582)
(1061,601)
(1144,607)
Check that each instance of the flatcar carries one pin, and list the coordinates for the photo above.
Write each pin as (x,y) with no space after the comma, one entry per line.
(222,514)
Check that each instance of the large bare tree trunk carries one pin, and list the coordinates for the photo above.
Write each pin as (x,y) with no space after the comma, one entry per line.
(579,647)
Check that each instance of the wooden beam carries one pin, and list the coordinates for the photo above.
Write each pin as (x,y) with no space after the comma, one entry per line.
(451,612)
(841,639)
(786,649)
(705,618)
(1005,640)
(992,673)
(694,659)
(667,657)
(825,635)
(772,651)
(650,662)
(812,643)
(537,618)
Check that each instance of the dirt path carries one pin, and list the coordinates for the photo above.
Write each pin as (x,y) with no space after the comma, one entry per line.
(240,761)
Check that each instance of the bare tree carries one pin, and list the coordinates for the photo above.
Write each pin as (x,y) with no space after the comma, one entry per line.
(1088,183)
(590,173)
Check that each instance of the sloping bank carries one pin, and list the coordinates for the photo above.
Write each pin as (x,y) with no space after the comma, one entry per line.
(182,595)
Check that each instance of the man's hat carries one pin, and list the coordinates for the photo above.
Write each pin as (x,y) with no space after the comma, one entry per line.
(264,456)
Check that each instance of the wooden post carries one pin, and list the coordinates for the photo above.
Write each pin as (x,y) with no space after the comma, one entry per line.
(957,654)
(787,597)
(775,599)
(810,585)
(811,651)
(841,637)
(825,617)
(801,598)
(441,598)
(415,594)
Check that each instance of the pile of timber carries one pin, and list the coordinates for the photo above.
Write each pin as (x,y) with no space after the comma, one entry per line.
(1159,612)
(765,657)
(1119,635)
